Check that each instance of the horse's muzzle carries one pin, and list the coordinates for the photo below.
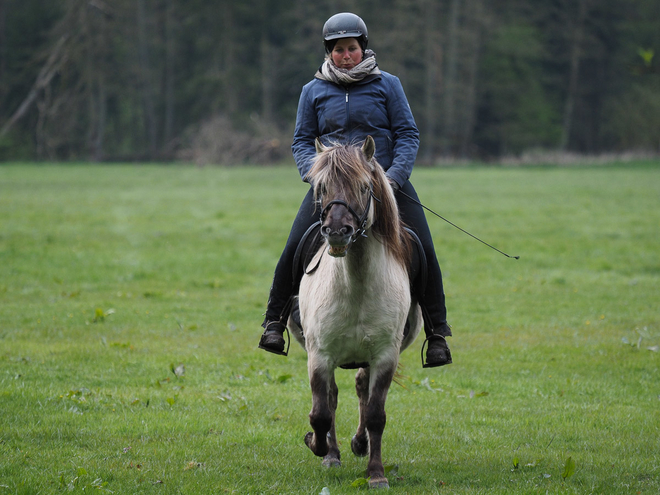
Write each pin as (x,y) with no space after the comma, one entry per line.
(338,227)
(338,251)
(339,241)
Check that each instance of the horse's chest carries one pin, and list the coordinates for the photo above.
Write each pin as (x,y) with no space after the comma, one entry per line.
(353,318)
(362,298)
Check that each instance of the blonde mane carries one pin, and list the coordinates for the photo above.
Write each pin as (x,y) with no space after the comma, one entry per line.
(346,168)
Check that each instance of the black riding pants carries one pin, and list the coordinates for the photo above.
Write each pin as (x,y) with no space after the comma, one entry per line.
(413,216)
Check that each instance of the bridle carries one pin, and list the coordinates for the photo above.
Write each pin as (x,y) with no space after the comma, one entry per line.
(361,220)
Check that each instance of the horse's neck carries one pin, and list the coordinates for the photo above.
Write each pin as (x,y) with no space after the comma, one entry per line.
(366,257)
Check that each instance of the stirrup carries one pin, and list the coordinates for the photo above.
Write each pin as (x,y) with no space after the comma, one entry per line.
(435,365)
(287,340)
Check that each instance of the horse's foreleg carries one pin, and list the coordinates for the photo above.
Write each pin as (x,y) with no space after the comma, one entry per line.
(375,420)
(333,458)
(320,418)
(360,441)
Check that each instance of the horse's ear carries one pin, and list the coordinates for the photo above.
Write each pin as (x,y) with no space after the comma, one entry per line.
(319,146)
(369,148)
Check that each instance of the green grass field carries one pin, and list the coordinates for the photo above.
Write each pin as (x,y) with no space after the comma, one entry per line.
(130,305)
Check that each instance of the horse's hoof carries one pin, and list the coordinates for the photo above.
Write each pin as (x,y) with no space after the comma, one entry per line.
(320,451)
(378,483)
(331,462)
(360,446)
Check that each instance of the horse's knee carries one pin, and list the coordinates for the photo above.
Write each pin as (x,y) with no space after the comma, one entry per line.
(321,416)
(334,394)
(376,418)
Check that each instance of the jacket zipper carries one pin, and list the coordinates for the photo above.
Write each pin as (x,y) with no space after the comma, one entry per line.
(348,123)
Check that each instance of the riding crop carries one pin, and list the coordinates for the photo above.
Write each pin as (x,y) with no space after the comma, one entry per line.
(456,226)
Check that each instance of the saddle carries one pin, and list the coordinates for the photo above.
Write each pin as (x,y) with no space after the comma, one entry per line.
(308,255)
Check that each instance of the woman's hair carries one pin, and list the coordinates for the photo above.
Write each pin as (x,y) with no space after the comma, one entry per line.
(330,44)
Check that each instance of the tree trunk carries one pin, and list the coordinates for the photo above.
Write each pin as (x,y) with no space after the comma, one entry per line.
(449,131)
(90,80)
(168,132)
(471,85)
(266,78)
(229,60)
(571,95)
(433,66)
(101,107)
(145,72)
(3,44)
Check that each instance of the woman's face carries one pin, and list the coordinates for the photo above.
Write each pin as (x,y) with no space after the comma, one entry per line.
(347,53)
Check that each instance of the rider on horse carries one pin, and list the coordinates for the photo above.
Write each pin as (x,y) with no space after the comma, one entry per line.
(349,99)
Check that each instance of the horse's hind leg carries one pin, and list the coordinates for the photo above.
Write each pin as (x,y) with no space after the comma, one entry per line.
(333,458)
(360,441)
(321,417)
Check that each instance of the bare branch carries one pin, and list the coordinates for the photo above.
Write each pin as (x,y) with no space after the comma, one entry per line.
(55,60)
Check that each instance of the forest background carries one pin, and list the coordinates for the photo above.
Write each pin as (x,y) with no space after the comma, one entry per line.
(218,81)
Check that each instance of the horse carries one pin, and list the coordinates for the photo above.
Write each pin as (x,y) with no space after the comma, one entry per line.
(355,309)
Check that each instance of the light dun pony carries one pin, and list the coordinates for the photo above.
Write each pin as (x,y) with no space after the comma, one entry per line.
(355,306)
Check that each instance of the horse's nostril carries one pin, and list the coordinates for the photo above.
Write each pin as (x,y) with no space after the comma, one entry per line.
(347,230)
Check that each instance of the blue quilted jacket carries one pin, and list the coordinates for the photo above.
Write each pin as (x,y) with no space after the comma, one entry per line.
(375,106)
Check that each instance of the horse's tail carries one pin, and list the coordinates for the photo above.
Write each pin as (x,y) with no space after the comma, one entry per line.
(399,377)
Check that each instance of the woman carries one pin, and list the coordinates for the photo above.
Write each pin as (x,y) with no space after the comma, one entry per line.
(349,99)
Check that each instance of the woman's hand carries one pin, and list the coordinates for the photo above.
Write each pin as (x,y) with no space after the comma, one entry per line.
(394,184)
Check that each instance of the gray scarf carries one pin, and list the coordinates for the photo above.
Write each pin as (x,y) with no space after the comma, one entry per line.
(330,72)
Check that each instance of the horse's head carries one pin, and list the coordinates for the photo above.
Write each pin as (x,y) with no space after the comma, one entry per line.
(343,188)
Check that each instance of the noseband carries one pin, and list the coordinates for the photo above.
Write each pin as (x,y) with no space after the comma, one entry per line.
(361,220)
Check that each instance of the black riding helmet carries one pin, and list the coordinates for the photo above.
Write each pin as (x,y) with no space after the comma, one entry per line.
(344,25)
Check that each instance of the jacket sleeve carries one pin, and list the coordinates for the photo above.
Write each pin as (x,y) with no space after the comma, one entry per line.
(404,133)
(306,131)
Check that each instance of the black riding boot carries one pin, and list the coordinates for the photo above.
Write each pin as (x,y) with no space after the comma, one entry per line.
(272,340)
(435,320)
(437,352)
(431,297)
(284,281)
